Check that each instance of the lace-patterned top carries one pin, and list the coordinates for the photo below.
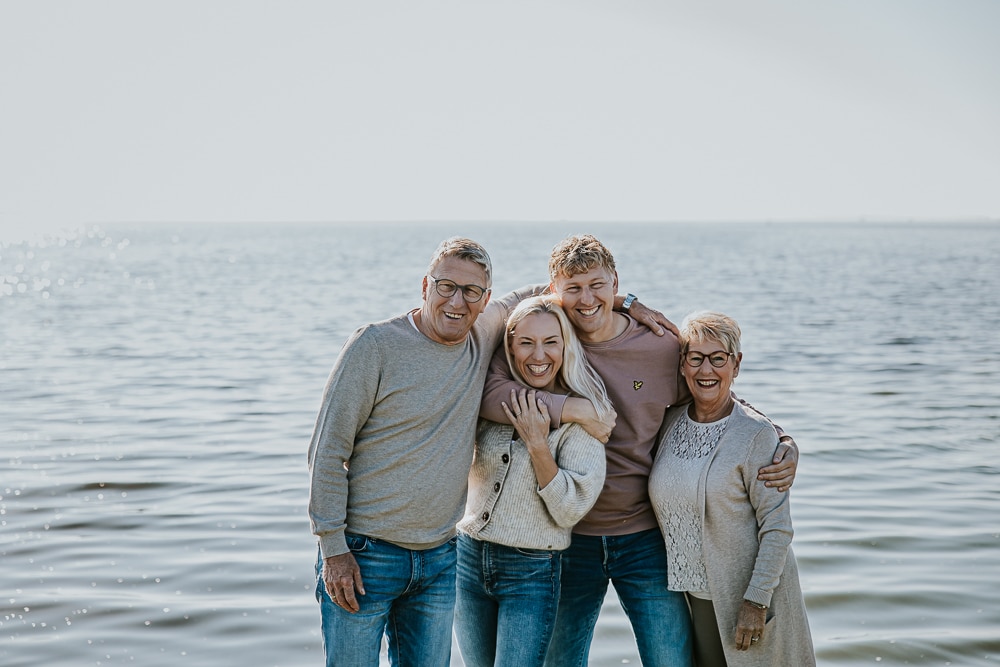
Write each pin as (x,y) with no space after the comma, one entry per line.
(687,448)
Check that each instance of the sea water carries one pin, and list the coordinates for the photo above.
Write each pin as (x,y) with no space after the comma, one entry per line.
(159,385)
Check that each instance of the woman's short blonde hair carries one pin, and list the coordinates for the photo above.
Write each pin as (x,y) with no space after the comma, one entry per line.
(707,325)
(576,373)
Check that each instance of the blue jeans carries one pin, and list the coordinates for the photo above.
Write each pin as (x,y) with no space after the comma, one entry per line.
(409,596)
(506,606)
(637,567)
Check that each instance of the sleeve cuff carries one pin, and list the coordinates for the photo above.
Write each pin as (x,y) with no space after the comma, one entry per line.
(333,544)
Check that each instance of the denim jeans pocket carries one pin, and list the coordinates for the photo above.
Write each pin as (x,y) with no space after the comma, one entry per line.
(356,543)
(542,554)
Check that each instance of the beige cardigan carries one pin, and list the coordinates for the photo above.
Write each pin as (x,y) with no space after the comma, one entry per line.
(746,543)
(505,505)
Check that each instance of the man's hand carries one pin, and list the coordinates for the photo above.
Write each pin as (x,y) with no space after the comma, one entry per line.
(652,319)
(582,411)
(785,462)
(342,578)
(601,428)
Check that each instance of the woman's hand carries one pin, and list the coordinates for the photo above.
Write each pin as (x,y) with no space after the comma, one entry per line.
(529,416)
(750,626)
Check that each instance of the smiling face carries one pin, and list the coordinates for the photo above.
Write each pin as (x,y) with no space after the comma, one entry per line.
(589,299)
(536,347)
(710,386)
(449,321)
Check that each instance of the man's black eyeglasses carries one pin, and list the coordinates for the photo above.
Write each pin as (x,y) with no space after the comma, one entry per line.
(447,288)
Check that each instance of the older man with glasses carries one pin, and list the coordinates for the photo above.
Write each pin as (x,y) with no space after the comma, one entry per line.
(389,462)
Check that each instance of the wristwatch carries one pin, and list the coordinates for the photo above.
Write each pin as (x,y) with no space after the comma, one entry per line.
(627,303)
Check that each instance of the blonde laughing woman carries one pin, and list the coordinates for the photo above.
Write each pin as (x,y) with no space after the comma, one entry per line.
(528,487)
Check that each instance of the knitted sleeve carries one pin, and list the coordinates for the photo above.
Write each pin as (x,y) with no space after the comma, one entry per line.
(774,523)
(574,489)
(347,402)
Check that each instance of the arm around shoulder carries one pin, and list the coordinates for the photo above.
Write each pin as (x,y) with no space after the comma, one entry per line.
(499,385)
(780,474)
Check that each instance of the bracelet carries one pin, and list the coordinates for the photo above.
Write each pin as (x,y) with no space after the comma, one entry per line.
(756,604)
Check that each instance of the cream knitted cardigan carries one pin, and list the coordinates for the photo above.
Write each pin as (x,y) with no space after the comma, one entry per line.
(505,505)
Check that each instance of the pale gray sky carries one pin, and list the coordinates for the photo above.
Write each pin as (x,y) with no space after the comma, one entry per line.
(243,110)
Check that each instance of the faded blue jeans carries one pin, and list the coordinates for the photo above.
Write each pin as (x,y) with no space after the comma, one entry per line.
(506,606)
(637,567)
(409,596)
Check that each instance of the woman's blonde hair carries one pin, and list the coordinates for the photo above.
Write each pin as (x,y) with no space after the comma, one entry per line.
(704,325)
(576,373)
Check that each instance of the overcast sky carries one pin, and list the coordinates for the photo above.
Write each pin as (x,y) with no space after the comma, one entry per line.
(508,110)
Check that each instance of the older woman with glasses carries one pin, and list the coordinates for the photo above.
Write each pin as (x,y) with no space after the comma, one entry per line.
(728,536)
(527,489)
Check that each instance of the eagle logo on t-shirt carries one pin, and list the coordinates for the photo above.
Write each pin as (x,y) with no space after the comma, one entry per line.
(637,384)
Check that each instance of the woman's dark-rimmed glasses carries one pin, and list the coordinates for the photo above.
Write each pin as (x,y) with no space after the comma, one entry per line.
(447,288)
(717,359)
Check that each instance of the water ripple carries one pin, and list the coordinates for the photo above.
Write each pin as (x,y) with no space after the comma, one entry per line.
(160,386)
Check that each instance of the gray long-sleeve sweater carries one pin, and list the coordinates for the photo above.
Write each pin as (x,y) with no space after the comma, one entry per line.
(393,443)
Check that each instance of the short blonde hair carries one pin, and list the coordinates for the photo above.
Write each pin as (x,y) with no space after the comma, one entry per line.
(578,254)
(707,325)
(576,372)
(463,248)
